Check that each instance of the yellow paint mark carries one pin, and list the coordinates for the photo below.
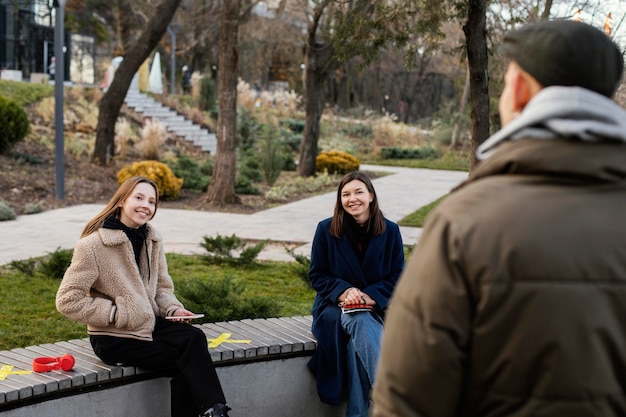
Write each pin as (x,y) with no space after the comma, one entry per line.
(225,338)
(7,370)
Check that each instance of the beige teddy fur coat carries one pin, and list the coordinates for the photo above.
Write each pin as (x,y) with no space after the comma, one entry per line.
(104,288)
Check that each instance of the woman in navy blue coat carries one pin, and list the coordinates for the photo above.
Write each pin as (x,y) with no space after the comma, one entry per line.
(357,257)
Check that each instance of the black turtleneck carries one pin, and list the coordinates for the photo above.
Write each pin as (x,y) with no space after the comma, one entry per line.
(358,236)
(136,236)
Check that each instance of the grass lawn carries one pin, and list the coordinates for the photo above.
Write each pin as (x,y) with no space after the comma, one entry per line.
(418,217)
(24,93)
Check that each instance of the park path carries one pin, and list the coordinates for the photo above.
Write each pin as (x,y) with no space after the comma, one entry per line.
(400,193)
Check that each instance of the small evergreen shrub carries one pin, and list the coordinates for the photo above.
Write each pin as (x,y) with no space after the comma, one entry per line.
(26,267)
(250,173)
(55,265)
(243,185)
(247,129)
(224,249)
(6,212)
(249,166)
(33,208)
(14,124)
(289,162)
(196,175)
(295,125)
(169,185)
(224,299)
(426,152)
(28,158)
(336,162)
(301,266)
(291,140)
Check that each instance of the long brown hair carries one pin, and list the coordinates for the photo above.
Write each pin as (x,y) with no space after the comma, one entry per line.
(123,192)
(376,220)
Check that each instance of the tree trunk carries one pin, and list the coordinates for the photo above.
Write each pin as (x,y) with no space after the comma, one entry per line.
(462,106)
(476,45)
(222,187)
(317,59)
(113,99)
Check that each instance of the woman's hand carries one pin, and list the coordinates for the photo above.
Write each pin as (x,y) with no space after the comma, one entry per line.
(355,296)
(182,312)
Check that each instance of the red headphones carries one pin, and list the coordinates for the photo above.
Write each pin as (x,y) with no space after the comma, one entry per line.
(48,363)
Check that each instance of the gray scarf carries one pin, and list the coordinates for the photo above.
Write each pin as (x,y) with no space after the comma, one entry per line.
(563,112)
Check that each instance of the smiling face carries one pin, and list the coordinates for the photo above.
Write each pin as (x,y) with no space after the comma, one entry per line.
(139,207)
(356,199)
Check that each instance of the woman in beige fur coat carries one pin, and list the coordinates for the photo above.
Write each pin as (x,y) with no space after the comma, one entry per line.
(119,286)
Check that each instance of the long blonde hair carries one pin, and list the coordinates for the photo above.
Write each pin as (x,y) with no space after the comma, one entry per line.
(112,208)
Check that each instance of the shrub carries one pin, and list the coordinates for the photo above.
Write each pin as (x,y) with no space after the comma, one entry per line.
(301,266)
(206,99)
(14,124)
(26,267)
(57,263)
(160,173)
(224,299)
(222,249)
(289,162)
(358,130)
(271,157)
(27,158)
(243,185)
(6,212)
(33,208)
(295,125)
(249,166)
(291,140)
(309,184)
(426,152)
(336,162)
(247,129)
(123,134)
(153,136)
(196,175)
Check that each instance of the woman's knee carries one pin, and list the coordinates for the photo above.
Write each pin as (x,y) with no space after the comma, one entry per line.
(356,322)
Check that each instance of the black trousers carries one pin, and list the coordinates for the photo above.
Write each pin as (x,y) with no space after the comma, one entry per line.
(179,350)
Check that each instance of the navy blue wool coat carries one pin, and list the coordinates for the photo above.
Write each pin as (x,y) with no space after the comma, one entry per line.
(335,267)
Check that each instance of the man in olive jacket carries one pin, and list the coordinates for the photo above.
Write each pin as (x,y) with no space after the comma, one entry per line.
(514,301)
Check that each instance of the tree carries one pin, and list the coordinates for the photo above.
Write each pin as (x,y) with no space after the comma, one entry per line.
(222,187)
(373,24)
(475,30)
(114,97)
(336,32)
(115,21)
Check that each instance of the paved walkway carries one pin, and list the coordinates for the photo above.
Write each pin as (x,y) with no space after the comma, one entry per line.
(399,194)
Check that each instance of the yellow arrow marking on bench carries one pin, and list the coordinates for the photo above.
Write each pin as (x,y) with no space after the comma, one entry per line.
(7,370)
(224,338)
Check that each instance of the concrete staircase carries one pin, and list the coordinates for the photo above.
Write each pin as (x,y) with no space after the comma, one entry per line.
(175,123)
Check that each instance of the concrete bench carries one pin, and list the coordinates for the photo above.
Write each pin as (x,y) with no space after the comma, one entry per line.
(261,364)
